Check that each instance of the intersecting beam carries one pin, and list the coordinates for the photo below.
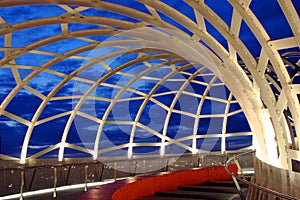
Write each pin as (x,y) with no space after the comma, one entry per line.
(101,80)
(279,67)
(292,17)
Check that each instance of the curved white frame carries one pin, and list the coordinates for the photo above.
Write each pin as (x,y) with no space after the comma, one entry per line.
(256,97)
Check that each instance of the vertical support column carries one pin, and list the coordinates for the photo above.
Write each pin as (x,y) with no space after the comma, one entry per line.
(194,142)
(130,151)
(271,141)
(224,126)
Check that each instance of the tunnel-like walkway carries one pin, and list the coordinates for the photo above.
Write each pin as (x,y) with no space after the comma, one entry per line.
(128,79)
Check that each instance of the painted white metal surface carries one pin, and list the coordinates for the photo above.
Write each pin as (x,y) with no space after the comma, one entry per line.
(264,112)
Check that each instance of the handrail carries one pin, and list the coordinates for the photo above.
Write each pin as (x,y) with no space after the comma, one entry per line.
(24,166)
(58,173)
(267,190)
(103,160)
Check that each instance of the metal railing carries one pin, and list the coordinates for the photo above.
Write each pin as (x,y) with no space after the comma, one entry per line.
(49,174)
(242,179)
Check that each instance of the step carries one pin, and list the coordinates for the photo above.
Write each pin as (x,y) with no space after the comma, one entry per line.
(196,195)
(209,188)
(248,178)
(224,183)
(166,198)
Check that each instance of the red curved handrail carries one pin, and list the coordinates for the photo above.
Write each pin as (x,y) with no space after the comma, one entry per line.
(143,186)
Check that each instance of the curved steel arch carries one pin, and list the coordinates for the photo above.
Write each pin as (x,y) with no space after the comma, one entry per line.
(50,95)
(254,88)
(91,89)
(222,27)
(242,51)
(108,110)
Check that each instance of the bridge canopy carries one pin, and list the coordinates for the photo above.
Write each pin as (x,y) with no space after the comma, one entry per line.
(91,78)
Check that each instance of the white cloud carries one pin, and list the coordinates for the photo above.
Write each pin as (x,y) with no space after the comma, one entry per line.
(10,123)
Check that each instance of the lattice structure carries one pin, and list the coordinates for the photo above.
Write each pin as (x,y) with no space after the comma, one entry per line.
(62,56)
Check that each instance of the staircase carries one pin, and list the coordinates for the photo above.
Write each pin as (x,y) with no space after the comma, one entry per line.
(217,190)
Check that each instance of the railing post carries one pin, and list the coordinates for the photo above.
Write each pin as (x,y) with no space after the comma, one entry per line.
(115,170)
(239,167)
(54,182)
(22,183)
(144,167)
(257,190)
(202,161)
(135,167)
(237,185)
(68,175)
(102,172)
(32,179)
(85,177)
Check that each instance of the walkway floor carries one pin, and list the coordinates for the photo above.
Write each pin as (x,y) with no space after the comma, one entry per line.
(71,194)
(67,194)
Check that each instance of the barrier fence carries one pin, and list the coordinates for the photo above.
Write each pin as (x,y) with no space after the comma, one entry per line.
(256,189)
(48,173)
